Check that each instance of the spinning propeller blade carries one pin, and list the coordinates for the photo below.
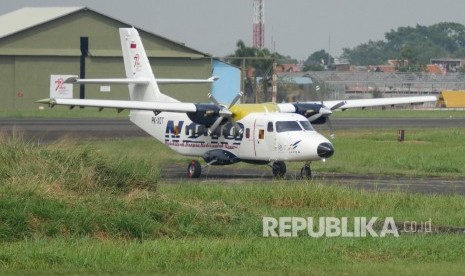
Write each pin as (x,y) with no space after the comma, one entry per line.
(225,113)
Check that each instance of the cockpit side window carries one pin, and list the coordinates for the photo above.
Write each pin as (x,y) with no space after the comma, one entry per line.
(306,125)
(270,127)
(284,126)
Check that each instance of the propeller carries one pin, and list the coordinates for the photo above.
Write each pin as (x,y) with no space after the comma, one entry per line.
(225,113)
(327,112)
(323,112)
(330,126)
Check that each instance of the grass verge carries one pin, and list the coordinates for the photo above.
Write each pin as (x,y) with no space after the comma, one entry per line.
(215,228)
(62,211)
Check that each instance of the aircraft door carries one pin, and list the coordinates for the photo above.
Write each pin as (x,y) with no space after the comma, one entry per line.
(264,139)
(271,137)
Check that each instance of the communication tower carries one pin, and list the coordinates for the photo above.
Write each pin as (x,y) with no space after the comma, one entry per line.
(258,24)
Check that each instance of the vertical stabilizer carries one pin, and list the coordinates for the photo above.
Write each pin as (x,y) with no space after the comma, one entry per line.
(137,66)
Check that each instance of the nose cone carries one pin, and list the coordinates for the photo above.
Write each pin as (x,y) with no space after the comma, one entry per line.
(325,150)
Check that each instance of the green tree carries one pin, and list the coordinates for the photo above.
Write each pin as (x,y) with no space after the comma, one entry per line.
(445,39)
(260,59)
(317,60)
(371,53)
(409,62)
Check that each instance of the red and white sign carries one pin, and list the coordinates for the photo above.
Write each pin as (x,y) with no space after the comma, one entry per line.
(60,89)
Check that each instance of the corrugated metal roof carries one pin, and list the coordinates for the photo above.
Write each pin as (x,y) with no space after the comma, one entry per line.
(26,18)
(40,52)
(29,17)
(300,78)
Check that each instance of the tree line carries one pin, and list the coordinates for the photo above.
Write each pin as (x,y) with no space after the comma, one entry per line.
(417,44)
(414,47)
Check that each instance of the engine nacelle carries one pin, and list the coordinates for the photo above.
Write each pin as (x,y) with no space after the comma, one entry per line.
(206,114)
(220,157)
(309,109)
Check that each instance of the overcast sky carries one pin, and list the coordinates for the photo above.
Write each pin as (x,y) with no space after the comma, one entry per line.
(298,27)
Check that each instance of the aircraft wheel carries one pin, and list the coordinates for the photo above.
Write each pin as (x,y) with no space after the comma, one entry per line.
(279,169)
(306,172)
(194,169)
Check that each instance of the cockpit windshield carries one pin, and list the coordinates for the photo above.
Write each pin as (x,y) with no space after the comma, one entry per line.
(306,125)
(284,126)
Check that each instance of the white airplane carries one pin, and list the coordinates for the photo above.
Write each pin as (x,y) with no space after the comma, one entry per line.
(267,133)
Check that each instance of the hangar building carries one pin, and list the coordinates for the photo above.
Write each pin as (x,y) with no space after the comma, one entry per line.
(38,42)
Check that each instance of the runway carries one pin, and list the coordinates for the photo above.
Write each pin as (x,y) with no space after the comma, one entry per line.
(52,129)
(231,176)
(46,130)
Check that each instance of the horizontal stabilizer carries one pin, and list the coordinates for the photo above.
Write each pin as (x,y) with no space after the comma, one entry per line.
(74,79)
(141,81)
(167,81)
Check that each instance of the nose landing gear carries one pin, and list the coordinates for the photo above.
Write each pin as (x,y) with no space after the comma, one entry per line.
(306,172)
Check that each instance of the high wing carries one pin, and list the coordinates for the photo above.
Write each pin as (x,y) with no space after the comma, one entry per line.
(378,102)
(121,105)
(346,104)
(319,112)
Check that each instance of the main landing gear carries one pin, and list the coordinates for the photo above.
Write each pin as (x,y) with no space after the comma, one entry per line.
(194,169)
(279,169)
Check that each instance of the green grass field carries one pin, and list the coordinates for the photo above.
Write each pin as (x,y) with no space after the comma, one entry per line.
(101,207)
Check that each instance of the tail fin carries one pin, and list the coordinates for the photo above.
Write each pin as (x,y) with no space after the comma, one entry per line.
(137,66)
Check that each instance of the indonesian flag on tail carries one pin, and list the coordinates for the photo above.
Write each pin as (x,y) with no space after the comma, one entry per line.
(133,45)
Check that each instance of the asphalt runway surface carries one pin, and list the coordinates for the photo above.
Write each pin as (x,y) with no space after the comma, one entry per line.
(231,176)
(46,130)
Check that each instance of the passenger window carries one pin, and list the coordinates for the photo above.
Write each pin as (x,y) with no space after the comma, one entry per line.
(261,134)
(270,127)
(247,133)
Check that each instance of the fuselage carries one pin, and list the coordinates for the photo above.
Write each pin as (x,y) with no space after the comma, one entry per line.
(265,137)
